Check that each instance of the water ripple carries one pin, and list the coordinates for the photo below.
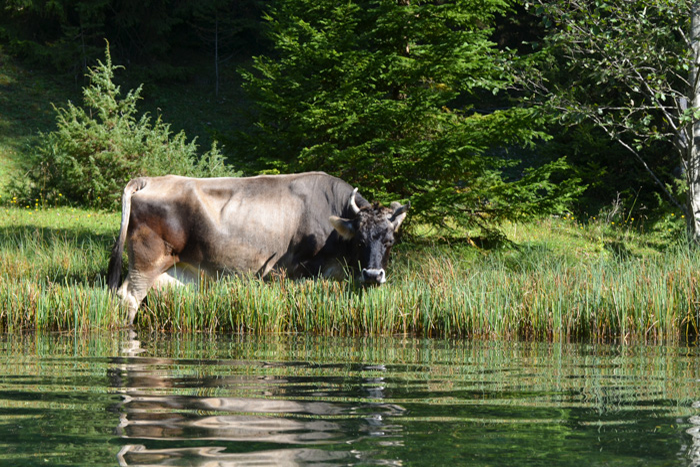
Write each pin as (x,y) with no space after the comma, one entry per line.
(298,400)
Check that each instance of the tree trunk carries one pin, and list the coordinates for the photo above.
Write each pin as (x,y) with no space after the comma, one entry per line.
(692,163)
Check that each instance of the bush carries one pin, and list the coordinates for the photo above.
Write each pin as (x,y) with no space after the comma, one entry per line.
(97,149)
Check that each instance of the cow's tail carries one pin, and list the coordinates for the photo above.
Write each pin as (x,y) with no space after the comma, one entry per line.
(114,270)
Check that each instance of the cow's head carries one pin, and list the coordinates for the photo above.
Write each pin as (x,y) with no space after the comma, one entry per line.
(371,232)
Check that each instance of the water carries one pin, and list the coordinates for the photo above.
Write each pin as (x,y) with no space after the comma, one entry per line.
(124,399)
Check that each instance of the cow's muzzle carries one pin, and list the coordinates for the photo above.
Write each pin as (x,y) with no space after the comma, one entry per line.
(373,276)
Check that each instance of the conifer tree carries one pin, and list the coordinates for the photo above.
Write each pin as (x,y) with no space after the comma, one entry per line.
(403,98)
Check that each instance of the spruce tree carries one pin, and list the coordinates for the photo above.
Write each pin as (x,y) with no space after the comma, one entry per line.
(404,99)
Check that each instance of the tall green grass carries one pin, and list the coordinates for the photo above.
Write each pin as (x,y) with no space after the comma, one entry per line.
(640,299)
(559,287)
(28,305)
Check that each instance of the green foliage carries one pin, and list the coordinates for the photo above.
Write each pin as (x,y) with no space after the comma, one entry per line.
(61,33)
(404,99)
(152,35)
(97,149)
(624,68)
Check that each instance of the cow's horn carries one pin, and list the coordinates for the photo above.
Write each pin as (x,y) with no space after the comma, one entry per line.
(353,204)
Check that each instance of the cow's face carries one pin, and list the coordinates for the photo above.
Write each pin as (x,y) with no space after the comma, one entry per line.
(372,235)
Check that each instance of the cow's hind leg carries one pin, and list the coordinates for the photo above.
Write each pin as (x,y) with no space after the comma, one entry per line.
(128,296)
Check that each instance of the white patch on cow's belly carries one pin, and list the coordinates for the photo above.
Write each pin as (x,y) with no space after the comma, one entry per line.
(179,275)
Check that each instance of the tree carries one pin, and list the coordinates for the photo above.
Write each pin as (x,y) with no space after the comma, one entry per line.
(404,98)
(69,35)
(66,34)
(631,69)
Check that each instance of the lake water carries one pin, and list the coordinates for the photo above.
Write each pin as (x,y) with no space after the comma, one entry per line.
(127,399)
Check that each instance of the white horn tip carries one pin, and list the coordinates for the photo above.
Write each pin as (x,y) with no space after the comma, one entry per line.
(353,203)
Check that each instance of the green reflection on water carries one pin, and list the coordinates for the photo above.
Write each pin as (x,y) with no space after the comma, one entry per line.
(303,400)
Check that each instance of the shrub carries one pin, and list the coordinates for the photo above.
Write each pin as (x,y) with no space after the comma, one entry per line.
(97,149)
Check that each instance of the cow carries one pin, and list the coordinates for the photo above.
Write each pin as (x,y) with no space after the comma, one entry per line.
(307,224)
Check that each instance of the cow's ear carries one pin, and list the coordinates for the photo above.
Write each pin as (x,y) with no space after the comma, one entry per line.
(399,214)
(343,227)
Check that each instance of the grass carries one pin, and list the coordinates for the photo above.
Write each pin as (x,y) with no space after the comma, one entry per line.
(51,268)
(560,281)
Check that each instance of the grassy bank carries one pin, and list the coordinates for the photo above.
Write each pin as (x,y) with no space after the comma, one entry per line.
(560,280)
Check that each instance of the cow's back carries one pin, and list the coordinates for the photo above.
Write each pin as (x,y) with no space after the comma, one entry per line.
(241,224)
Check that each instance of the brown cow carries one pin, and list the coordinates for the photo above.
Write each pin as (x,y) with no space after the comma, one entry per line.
(306,224)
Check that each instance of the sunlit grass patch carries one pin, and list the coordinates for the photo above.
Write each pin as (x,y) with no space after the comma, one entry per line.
(25,110)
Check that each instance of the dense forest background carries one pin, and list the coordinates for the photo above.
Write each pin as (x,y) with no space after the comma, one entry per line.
(427,101)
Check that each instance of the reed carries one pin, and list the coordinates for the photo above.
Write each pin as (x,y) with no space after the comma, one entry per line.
(52,278)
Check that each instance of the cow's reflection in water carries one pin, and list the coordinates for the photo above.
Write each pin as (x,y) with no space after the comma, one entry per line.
(168,423)
(215,456)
